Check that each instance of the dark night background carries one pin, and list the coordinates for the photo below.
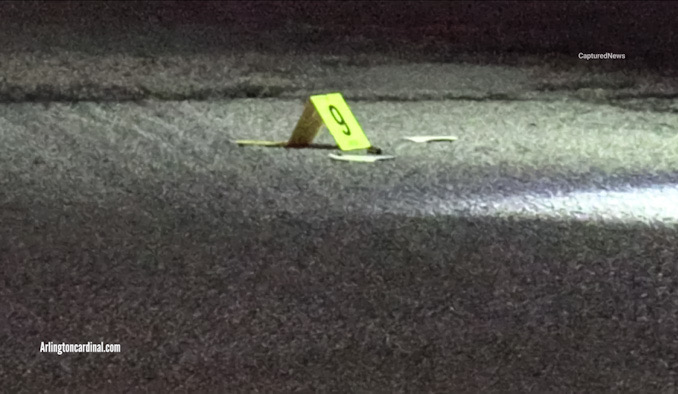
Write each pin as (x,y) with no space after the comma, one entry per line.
(127,215)
(644,30)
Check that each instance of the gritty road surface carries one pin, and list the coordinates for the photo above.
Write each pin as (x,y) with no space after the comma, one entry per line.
(217,266)
(535,253)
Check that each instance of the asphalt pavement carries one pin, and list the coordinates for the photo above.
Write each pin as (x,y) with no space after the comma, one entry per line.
(535,253)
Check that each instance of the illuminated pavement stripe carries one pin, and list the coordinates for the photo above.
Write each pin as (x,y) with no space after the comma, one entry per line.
(656,203)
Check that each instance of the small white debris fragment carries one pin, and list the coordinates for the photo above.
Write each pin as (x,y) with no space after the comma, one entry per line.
(260,143)
(431,138)
(360,158)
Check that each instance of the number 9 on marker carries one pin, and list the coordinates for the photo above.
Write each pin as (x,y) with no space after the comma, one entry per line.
(340,121)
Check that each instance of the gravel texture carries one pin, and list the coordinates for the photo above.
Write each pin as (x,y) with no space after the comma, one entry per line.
(128,216)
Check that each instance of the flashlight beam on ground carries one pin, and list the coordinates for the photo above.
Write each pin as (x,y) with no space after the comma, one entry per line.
(631,204)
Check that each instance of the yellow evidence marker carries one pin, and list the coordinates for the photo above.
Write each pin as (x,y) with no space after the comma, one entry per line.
(330,110)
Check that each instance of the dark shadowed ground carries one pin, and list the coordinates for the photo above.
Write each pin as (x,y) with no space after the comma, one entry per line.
(128,216)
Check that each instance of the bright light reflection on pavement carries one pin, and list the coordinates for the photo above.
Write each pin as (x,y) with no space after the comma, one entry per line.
(657,203)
